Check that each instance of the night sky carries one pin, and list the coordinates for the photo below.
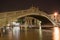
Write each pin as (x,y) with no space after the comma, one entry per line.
(48,6)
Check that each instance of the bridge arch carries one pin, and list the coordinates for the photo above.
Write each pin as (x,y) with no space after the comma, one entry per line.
(14,15)
(39,14)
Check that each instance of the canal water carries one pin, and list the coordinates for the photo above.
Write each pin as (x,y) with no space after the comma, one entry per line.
(32,34)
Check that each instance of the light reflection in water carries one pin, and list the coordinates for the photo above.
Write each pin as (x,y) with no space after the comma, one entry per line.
(40,33)
(56,33)
(16,31)
(26,31)
(10,35)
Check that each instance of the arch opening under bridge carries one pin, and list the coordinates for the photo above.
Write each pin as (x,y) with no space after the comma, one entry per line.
(43,18)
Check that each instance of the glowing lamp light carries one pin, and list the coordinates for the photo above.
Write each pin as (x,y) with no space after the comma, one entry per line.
(8,24)
(56,13)
(13,23)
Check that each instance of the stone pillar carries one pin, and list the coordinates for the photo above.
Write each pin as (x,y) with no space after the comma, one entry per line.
(39,24)
(30,20)
(26,23)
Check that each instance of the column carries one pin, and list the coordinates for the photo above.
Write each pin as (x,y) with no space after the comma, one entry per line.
(31,21)
(26,23)
(35,22)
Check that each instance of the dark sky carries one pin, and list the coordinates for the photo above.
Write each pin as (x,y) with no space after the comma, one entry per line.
(48,6)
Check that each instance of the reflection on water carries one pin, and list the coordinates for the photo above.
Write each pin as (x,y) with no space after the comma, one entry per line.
(32,34)
(40,33)
(16,33)
(10,35)
(56,33)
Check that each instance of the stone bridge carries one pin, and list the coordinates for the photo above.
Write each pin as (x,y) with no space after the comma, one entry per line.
(7,17)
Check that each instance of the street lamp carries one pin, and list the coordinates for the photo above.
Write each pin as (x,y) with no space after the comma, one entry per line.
(55,16)
(56,13)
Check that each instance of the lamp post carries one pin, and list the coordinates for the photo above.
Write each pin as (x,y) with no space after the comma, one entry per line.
(55,16)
